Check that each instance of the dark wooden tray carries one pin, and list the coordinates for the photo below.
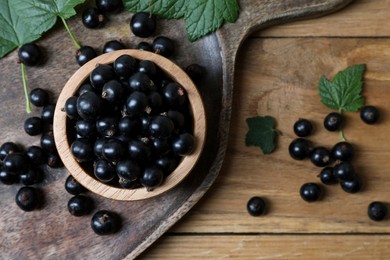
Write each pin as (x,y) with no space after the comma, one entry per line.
(51,232)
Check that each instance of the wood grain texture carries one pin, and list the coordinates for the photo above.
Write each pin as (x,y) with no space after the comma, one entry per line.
(55,234)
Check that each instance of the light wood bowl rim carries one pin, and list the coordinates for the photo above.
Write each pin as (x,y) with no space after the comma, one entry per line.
(116,193)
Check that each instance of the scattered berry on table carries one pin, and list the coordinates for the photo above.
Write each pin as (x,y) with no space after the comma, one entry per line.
(92,18)
(300,148)
(256,206)
(327,177)
(143,24)
(39,97)
(310,192)
(105,222)
(113,45)
(320,156)
(72,186)
(164,46)
(344,171)
(109,6)
(303,127)
(377,211)
(85,54)
(352,185)
(369,114)
(80,205)
(342,151)
(33,126)
(28,198)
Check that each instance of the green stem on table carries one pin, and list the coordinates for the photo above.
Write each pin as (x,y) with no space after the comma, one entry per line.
(341,132)
(78,46)
(28,105)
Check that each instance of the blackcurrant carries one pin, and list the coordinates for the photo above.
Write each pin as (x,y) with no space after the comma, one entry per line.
(320,156)
(303,127)
(72,186)
(256,206)
(129,126)
(113,150)
(377,211)
(39,97)
(333,121)
(47,142)
(164,46)
(136,103)
(143,24)
(113,45)
(151,177)
(33,126)
(148,67)
(141,82)
(128,170)
(101,75)
(139,151)
(107,126)
(30,176)
(103,170)
(29,54)
(369,114)
(109,6)
(105,222)
(80,205)
(166,163)
(310,192)
(16,162)
(174,94)
(82,150)
(299,149)
(89,105)
(54,160)
(161,126)
(70,107)
(7,148)
(144,46)
(342,151)
(125,66)
(327,177)
(47,114)
(85,54)
(352,185)
(92,18)
(28,198)
(8,178)
(36,154)
(344,171)
(113,92)
(182,144)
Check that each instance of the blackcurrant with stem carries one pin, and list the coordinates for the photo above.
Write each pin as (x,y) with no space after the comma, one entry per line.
(107,126)
(303,127)
(92,18)
(164,46)
(369,114)
(377,210)
(256,206)
(333,121)
(29,54)
(105,222)
(113,92)
(310,192)
(143,24)
(84,54)
(300,148)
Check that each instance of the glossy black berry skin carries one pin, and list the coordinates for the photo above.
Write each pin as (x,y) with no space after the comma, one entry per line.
(92,18)
(85,128)
(353,185)
(299,149)
(377,211)
(369,114)
(54,160)
(140,81)
(310,192)
(143,24)
(47,113)
(27,198)
(47,142)
(72,186)
(82,150)
(303,127)
(164,46)
(8,178)
(101,75)
(148,67)
(182,144)
(29,54)
(7,148)
(256,206)
(33,126)
(320,156)
(342,151)
(89,105)
(144,46)
(152,177)
(344,171)
(39,97)
(70,107)
(16,162)
(327,177)
(333,121)
(113,45)
(80,205)
(85,54)
(174,95)
(103,170)
(161,127)
(124,66)
(32,175)
(105,222)
(128,170)
(136,103)
(36,154)
(113,150)
(139,151)
(109,6)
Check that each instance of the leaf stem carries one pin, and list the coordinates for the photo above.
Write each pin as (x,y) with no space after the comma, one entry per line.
(341,132)
(28,105)
(78,46)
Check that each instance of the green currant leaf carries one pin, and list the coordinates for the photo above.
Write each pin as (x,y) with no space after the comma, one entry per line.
(201,16)
(262,133)
(344,92)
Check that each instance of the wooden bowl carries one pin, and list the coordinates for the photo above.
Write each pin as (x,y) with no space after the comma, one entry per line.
(117,193)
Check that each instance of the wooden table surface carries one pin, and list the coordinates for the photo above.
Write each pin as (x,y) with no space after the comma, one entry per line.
(277,74)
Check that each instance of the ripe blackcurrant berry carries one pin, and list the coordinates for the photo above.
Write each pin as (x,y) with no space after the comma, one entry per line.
(320,156)
(344,171)
(136,103)
(36,154)
(166,163)
(82,150)
(369,114)
(8,178)
(299,149)
(327,177)
(163,46)
(161,127)
(113,45)
(72,186)
(105,222)
(89,105)
(7,148)
(107,126)
(342,151)
(29,54)
(141,82)
(16,162)
(54,160)
(113,150)
(333,121)
(303,127)
(92,18)
(113,92)
(33,125)
(70,107)
(47,113)
(125,66)
(174,95)
(47,142)
(85,54)
(256,206)
(103,170)
(353,185)
(151,177)
(310,192)
(182,144)
(143,24)
(85,128)
(101,75)
(129,126)
(32,175)
(80,205)
(109,6)
(377,210)
(144,46)
(148,67)
(27,198)
(39,97)
(139,151)
(128,170)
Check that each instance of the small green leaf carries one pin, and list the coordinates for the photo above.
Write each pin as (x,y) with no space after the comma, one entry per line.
(201,16)
(262,133)
(344,92)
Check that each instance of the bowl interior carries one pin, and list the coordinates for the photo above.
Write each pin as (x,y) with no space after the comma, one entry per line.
(117,193)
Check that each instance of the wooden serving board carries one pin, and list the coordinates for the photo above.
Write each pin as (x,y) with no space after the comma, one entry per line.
(51,232)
